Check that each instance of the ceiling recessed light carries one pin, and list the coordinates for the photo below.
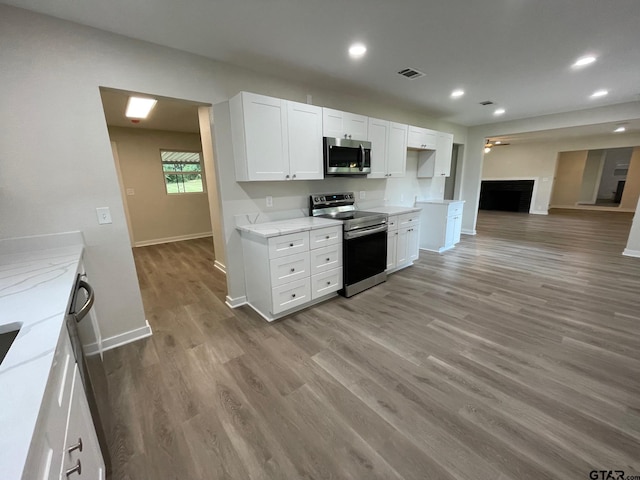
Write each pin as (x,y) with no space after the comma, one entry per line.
(499,111)
(619,130)
(138,107)
(357,50)
(457,93)
(599,93)
(581,62)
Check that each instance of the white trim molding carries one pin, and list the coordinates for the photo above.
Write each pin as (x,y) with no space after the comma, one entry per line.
(236,302)
(595,208)
(121,339)
(631,253)
(468,232)
(179,238)
(220,266)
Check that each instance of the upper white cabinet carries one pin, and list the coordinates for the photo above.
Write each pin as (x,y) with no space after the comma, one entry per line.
(422,138)
(388,148)
(304,124)
(274,139)
(437,163)
(338,124)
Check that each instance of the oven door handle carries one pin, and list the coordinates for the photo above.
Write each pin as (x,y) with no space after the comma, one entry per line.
(80,314)
(364,232)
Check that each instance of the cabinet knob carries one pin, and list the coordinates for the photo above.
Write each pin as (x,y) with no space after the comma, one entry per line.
(349,136)
(293,295)
(328,283)
(328,237)
(293,270)
(77,446)
(345,135)
(286,176)
(291,244)
(75,469)
(328,259)
(294,175)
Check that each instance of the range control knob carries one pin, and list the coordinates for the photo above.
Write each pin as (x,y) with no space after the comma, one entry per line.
(316,199)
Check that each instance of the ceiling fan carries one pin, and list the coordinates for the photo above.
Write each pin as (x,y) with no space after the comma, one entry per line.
(489,144)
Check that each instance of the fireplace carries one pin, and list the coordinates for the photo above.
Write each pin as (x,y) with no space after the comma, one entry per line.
(506,195)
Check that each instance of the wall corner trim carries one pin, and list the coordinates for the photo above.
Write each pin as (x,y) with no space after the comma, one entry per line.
(126,337)
(221,267)
(236,302)
(631,253)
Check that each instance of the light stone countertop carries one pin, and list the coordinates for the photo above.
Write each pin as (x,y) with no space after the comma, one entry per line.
(439,202)
(392,210)
(283,227)
(35,288)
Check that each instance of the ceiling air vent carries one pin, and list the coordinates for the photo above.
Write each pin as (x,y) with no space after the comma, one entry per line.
(411,73)
(486,102)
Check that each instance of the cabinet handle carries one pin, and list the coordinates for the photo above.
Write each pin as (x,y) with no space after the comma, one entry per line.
(293,295)
(293,270)
(77,446)
(76,469)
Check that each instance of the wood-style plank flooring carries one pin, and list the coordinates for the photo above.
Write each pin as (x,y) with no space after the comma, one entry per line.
(514,356)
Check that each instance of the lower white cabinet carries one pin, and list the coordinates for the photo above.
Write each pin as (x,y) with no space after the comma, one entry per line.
(402,240)
(287,272)
(442,224)
(65,444)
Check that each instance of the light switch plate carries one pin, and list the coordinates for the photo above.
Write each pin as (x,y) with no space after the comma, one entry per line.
(131,191)
(363,194)
(104,215)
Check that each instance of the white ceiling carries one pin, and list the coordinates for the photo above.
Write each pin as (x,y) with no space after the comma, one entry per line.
(516,53)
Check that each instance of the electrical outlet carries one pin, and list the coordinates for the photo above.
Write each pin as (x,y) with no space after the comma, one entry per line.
(104,215)
(363,194)
(269,201)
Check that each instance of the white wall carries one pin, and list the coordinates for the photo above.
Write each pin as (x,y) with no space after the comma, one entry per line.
(534,160)
(56,164)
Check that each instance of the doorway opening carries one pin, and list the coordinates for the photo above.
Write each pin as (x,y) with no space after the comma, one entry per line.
(452,182)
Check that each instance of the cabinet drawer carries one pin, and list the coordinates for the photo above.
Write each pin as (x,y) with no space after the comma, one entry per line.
(325,283)
(408,219)
(289,268)
(325,236)
(291,295)
(392,222)
(326,258)
(288,244)
(455,209)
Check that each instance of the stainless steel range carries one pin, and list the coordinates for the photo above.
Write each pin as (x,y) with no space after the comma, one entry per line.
(364,240)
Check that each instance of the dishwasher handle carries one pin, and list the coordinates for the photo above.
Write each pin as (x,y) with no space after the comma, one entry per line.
(80,314)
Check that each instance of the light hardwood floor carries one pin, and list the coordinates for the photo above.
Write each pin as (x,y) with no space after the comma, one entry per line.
(514,356)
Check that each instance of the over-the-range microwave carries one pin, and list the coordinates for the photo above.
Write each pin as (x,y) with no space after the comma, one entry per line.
(343,156)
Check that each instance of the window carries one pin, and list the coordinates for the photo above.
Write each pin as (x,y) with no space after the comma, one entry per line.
(182,171)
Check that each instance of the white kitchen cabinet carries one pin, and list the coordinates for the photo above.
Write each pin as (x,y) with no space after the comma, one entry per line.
(388,148)
(421,138)
(275,139)
(402,240)
(287,272)
(436,163)
(442,224)
(82,457)
(339,124)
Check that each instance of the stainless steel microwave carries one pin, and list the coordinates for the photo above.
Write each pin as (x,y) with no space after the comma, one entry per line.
(343,156)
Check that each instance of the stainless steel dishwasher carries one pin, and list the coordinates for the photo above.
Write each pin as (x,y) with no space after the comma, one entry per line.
(90,367)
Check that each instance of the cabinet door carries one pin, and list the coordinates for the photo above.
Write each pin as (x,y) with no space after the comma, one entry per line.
(355,126)
(421,138)
(397,150)
(80,431)
(332,123)
(413,250)
(402,247)
(443,155)
(378,135)
(392,247)
(457,228)
(265,129)
(305,141)
(449,238)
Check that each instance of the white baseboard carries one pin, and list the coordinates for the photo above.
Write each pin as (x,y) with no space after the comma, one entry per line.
(468,232)
(179,238)
(236,302)
(595,208)
(631,253)
(220,267)
(121,339)
(539,212)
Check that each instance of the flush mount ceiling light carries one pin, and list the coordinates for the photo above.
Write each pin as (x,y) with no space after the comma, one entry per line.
(583,61)
(357,50)
(499,111)
(487,149)
(138,107)
(457,93)
(620,129)
(599,93)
